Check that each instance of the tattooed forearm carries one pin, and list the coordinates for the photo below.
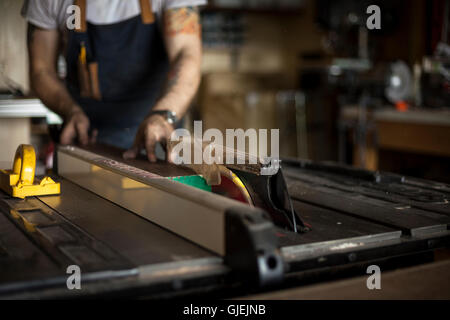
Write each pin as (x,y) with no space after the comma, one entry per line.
(174,73)
(182,20)
(184,49)
(43,53)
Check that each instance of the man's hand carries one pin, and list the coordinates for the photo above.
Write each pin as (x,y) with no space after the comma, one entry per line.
(43,46)
(77,126)
(184,48)
(152,130)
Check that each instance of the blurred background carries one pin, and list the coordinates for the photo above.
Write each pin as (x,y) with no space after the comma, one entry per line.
(375,99)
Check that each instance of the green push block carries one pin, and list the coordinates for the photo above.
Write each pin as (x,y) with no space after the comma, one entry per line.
(193,181)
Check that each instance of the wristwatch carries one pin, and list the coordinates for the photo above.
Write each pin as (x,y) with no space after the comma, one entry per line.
(170,116)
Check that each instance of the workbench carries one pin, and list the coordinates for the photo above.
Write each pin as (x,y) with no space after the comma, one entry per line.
(16,124)
(356,218)
(416,131)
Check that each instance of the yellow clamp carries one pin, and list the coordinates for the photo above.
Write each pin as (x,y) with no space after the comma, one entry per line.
(20,181)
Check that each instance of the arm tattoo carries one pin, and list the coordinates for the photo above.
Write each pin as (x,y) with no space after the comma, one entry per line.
(174,74)
(182,20)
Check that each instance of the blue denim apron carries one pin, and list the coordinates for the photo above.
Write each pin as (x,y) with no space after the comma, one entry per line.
(132,66)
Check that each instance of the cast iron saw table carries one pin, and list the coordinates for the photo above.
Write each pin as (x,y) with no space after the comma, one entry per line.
(356,218)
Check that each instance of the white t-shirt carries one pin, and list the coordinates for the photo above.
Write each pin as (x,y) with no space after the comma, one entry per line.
(52,14)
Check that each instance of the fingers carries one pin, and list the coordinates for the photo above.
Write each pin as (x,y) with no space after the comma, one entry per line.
(77,126)
(82,130)
(131,153)
(170,154)
(93,138)
(151,131)
(150,145)
(170,157)
(68,134)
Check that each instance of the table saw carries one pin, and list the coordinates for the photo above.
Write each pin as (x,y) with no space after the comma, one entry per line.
(137,229)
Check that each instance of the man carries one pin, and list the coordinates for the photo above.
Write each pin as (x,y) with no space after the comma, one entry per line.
(133,67)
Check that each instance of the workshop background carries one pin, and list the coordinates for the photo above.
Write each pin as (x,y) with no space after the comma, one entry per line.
(376,99)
